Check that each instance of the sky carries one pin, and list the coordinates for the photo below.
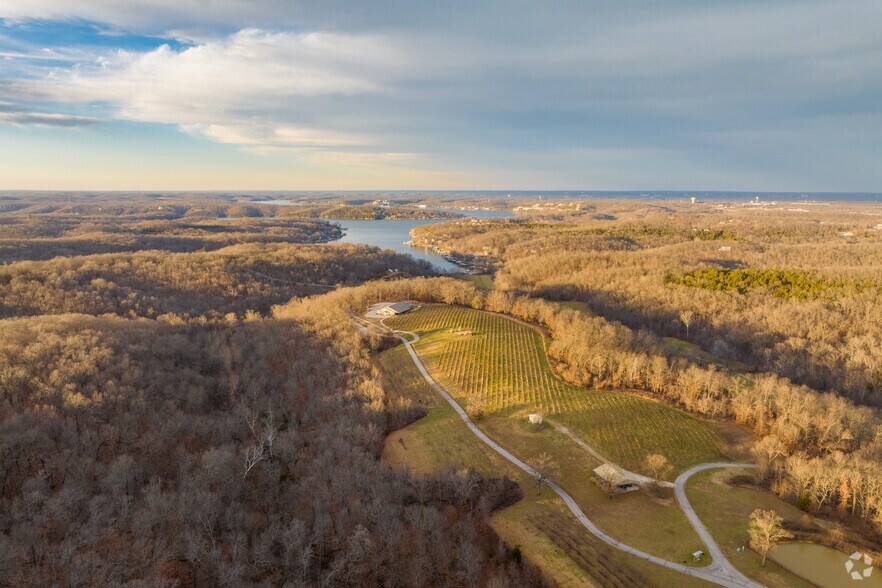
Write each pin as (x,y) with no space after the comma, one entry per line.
(411,94)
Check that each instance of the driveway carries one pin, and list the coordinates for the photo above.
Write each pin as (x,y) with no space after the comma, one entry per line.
(720,571)
(713,548)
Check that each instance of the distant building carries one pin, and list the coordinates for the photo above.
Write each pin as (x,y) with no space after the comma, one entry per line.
(697,555)
(613,480)
(395,308)
(535,419)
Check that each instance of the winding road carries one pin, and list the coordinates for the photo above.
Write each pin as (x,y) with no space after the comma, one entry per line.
(712,546)
(720,571)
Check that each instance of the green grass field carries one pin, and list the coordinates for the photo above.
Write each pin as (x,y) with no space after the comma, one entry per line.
(725,511)
(503,363)
(541,525)
(482,281)
(695,353)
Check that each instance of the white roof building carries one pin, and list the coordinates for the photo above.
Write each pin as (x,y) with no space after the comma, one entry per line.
(395,308)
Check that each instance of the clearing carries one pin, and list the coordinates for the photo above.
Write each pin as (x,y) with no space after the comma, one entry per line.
(541,526)
(503,367)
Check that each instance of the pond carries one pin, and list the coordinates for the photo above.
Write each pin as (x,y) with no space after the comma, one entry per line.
(824,566)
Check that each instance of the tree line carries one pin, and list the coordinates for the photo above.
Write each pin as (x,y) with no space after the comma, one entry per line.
(791,293)
(840,440)
(236,279)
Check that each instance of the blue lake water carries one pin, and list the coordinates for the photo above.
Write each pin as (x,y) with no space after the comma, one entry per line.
(393,234)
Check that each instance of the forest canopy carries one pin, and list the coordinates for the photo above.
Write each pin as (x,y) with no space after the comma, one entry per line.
(159,428)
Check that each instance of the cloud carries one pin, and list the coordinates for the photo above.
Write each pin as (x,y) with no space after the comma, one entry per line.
(633,95)
(243,72)
(46,119)
(254,88)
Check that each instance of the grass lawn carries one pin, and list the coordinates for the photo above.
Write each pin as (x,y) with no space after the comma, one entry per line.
(482,281)
(542,525)
(504,365)
(725,511)
(654,525)
(574,305)
(697,354)
(570,554)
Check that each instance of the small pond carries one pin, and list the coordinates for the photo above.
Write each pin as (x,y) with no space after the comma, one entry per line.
(823,566)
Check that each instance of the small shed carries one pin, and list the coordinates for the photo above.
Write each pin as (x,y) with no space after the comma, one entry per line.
(535,418)
(395,308)
(613,479)
(696,556)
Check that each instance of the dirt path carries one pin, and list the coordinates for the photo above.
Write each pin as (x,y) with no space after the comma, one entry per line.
(581,443)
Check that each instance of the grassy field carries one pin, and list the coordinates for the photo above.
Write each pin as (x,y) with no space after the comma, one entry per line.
(504,365)
(482,281)
(541,525)
(697,354)
(725,511)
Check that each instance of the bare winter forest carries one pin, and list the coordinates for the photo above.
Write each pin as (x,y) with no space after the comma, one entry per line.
(185,401)
(163,428)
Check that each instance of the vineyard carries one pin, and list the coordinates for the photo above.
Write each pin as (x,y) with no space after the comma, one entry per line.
(500,364)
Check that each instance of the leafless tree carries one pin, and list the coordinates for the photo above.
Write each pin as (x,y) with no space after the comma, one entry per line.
(544,467)
(658,466)
(766,531)
(686,317)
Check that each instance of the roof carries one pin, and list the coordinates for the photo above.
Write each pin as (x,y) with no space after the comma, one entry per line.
(613,474)
(399,307)
(610,472)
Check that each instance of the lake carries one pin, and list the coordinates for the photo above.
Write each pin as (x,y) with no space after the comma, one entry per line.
(393,234)
(823,566)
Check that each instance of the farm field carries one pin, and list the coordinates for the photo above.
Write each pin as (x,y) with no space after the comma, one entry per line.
(502,364)
(541,526)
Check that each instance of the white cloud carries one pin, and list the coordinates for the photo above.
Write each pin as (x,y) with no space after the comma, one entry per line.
(275,138)
(254,88)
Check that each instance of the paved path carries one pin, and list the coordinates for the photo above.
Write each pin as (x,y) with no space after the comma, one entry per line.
(720,571)
(713,548)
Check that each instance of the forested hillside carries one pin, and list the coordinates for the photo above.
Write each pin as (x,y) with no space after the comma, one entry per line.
(186,437)
(219,454)
(234,279)
(784,289)
(39,228)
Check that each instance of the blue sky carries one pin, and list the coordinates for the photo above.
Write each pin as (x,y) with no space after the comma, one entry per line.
(394,94)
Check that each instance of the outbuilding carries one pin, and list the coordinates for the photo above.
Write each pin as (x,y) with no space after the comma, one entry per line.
(394,308)
(613,480)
